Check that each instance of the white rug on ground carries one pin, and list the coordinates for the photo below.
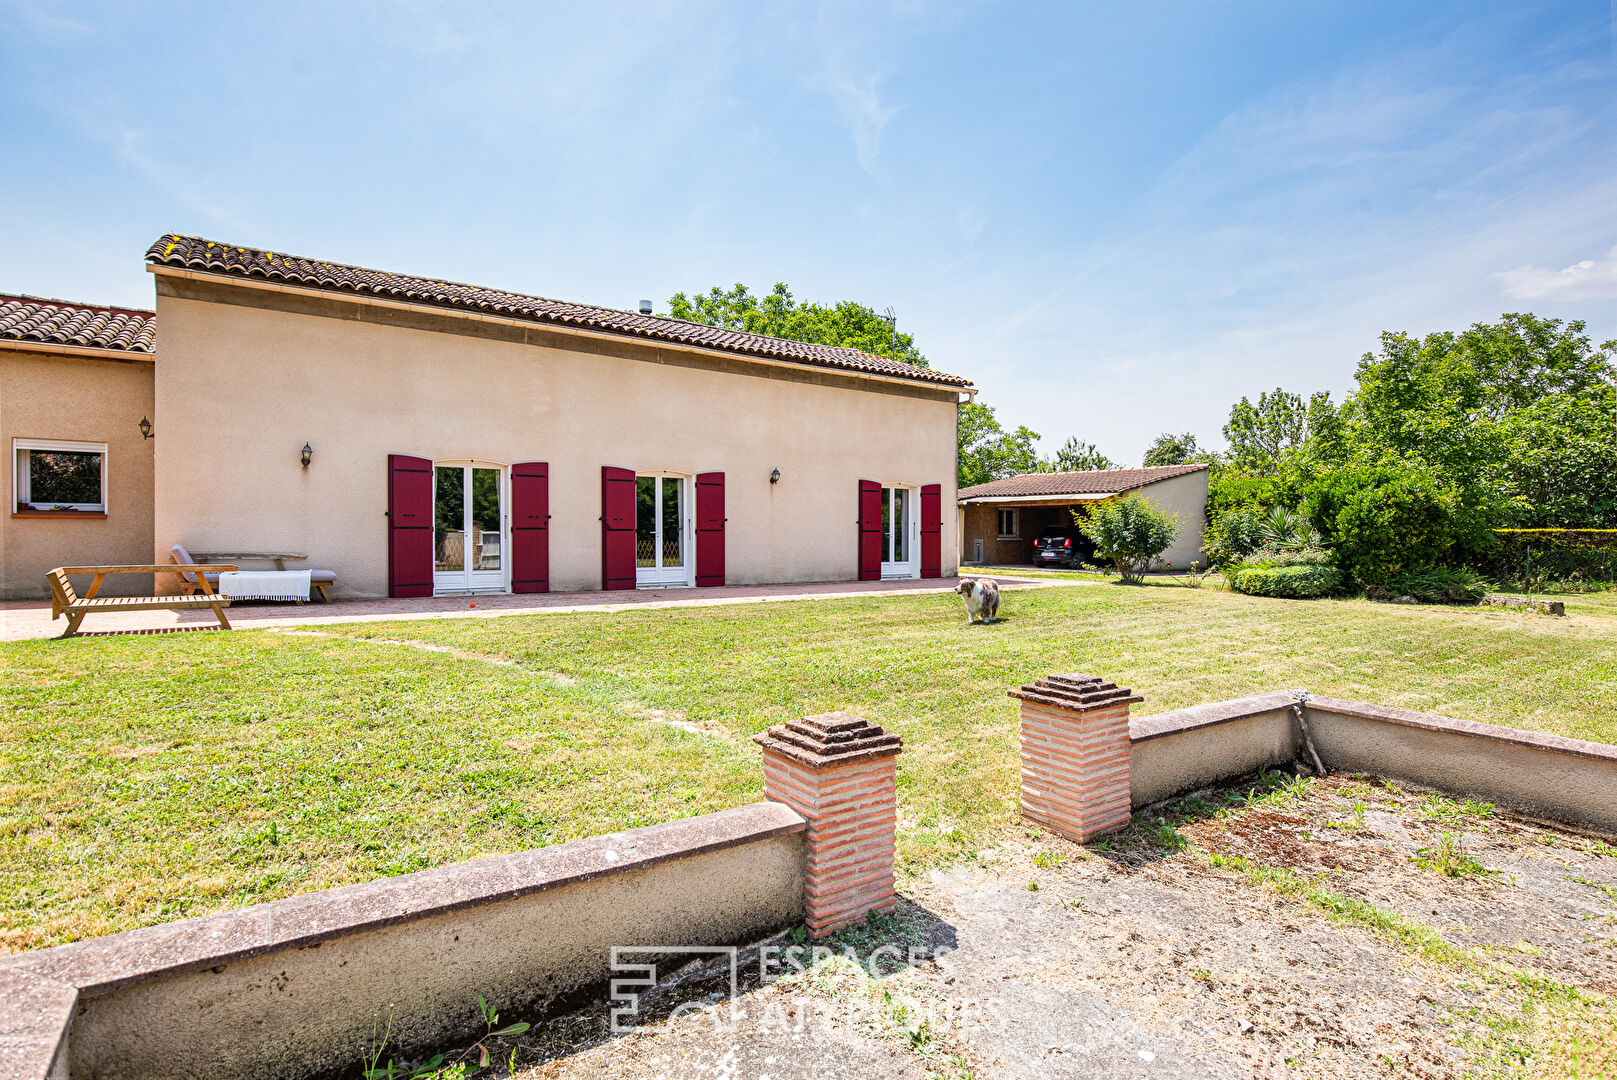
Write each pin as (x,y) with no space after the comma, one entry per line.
(265,584)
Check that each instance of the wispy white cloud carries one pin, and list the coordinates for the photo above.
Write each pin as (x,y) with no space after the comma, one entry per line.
(44,23)
(1587,279)
(852,73)
(134,149)
(859,99)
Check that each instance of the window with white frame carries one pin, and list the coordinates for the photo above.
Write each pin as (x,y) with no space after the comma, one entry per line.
(1007,525)
(50,475)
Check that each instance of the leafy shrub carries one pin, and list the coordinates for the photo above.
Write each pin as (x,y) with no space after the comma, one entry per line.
(1246,512)
(1287,530)
(1383,520)
(1435,585)
(1294,582)
(1130,532)
(1268,557)
(1237,509)
(1230,489)
(1234,534)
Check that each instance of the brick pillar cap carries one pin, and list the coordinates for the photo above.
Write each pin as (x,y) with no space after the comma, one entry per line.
(1076,693)
(829,740)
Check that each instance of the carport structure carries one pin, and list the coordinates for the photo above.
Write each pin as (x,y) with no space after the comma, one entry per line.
(1000,520)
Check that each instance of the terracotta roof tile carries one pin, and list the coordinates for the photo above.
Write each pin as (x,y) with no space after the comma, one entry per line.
(1093,482)
(194,253)
(63,322)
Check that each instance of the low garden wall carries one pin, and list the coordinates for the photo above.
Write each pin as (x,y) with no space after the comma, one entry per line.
(1566,781)
(299,987)
(1189,749)
(302,987)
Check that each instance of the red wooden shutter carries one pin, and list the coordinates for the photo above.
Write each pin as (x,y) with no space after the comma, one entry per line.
(710,528)
(869,530)
(530,527)
(932,530)
(409,526)
(617,528)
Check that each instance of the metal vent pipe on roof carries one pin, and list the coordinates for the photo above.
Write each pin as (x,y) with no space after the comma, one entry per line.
(645,307)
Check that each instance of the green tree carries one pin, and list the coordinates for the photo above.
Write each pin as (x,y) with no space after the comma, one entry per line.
(1523,359)
(1261,436)
(1447,437)
(1560,461)
(986,451)
(779,314)
(1076,455)
(1171,449)
(1453,401)
(1130,532)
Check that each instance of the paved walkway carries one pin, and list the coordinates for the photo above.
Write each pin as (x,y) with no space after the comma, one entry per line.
(20,620)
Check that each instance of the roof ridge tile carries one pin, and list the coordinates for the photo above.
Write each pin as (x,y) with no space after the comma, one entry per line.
(1086,482)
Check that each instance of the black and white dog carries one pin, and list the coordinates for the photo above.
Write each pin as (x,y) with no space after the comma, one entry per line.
(982,599)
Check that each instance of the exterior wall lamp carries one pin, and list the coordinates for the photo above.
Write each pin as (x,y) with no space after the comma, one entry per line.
(774,477)
(145,428)
(308,452)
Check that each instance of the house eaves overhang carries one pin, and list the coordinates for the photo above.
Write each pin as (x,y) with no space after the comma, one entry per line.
(87,352)
(1053,500)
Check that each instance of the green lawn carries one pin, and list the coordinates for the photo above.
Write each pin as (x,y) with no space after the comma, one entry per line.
(144,779)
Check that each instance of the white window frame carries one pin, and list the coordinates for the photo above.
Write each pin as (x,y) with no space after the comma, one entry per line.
(1016,524)
(469,580)
(684,576)
(20,478)
(910,567)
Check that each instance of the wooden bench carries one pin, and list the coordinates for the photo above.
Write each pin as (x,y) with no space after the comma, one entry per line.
(65,601)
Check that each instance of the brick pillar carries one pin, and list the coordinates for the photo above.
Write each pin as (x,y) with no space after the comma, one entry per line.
(840,773)
(1075,754)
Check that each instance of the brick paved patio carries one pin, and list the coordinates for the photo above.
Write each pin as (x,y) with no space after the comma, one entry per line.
(21,620)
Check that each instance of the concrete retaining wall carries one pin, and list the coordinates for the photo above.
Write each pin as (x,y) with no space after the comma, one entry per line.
(1545,776)
(1567,781)
(1189,749)
(297,987)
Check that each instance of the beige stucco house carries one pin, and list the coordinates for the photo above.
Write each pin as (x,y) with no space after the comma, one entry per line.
(1000,521)
(75,385)
(421,437)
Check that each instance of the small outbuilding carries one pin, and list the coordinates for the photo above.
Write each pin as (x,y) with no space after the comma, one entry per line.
(1000,521)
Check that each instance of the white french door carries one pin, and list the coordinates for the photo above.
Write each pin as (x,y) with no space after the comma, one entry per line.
(468,512)
(900,533)
(663,551)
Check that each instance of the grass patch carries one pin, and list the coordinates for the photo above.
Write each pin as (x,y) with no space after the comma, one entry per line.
(145,779)
(1449,857)
(1410,934)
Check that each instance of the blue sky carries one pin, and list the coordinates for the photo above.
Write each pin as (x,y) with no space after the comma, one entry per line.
(1115,219)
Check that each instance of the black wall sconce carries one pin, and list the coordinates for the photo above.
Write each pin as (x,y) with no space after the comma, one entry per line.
(774,477)
(145,428)
(307,452)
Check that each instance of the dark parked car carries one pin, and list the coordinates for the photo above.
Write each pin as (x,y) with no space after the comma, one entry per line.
(1057,546)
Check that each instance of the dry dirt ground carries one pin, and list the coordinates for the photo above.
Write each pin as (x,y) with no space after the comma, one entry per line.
(1333,928)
